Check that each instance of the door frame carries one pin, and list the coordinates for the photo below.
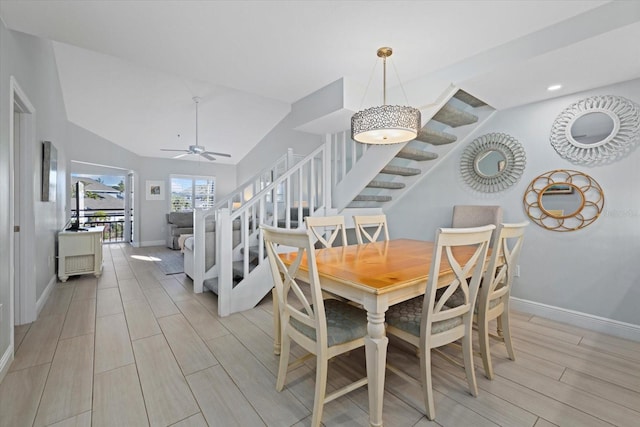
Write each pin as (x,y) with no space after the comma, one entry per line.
(22,293)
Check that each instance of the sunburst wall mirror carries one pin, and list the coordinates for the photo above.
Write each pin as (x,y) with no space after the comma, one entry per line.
(597,130)
(492,162)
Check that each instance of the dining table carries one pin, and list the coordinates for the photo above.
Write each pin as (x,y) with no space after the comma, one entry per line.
(376,275)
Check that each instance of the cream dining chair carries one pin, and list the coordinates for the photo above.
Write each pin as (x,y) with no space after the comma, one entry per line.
(428,323)
(495,289)
(324,328)
(362,222)
(493,298)
(319,226)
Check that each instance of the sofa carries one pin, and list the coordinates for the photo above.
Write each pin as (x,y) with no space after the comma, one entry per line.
(178,223)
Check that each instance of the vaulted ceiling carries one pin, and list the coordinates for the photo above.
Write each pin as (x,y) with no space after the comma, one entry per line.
(129,70)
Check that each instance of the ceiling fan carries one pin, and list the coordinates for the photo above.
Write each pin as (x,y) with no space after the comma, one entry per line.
(196,149)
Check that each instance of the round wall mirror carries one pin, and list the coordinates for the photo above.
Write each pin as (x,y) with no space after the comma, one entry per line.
(597,130)
(492,162)
(594,128)
(563,200)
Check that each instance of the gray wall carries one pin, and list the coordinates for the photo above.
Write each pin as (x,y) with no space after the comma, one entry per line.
(30,60)
(88,147)
(594,270)
(283,136)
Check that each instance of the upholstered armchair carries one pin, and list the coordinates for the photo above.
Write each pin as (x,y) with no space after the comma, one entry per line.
(178,223)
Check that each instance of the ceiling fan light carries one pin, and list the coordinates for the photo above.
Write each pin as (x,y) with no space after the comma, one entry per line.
(385,124)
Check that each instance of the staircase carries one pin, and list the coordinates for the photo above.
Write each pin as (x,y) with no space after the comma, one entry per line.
(451,123)
(340,177)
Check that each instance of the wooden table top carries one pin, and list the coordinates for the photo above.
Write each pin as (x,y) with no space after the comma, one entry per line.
(380,267)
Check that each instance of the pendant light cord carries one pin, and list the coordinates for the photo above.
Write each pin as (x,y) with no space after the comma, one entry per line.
(400,82)
(368,84)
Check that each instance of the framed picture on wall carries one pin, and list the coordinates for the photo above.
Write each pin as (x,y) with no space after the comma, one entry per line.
(154,190)
(49,171)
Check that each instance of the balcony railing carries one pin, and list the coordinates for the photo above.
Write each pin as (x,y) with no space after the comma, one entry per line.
(112,220)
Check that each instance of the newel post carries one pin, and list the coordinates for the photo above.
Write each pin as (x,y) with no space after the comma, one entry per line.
(224,259)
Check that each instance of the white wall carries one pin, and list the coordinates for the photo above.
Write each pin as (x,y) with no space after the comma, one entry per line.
(595,270)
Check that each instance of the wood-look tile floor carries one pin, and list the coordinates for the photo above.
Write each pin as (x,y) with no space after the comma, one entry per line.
(137,347)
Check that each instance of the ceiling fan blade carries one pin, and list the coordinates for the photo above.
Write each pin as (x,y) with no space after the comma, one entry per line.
(170,149)
(180,155)
(207,156)
(218,154)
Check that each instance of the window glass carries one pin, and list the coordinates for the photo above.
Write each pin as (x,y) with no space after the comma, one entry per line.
(188,192)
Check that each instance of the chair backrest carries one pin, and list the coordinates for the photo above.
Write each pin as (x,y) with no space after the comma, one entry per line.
(318,226)
(448,255)
(292,300)
(504,257)
(362,222)
(465,216)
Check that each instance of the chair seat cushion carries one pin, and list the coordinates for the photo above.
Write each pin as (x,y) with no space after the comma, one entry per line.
(406,316)
(458,299)
(344,323)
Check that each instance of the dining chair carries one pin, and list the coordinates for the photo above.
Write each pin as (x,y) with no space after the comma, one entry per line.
(362,222)
(319,226)
(493,297)
(465,216)
(429,323)
(324,328)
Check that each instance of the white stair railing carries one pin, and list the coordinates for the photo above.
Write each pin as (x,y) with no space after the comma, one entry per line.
(302,190)
(257,183)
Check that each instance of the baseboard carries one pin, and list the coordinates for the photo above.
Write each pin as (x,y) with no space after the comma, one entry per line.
(5,362)
(152,243)
(583,320)
(45,295)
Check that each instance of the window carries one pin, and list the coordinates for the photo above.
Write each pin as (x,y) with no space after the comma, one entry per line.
(188,192)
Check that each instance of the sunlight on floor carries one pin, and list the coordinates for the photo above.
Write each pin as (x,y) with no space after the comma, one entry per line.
(145,258)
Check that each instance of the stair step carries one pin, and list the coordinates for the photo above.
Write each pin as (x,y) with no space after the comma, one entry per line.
(469,99)
(386,184)
(371,198)
(254,252)
(400,170)
(435,137)
(454,117)
(416,154)
(238,268)
(212,285)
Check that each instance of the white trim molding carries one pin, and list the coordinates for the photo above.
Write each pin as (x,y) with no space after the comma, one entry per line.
(5,362)
(576,318)
(45,294)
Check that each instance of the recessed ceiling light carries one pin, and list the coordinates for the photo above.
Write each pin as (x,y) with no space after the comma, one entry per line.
(554,87)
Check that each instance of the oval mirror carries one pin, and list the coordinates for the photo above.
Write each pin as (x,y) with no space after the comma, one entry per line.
(561,200)
(490,163)
(593,128)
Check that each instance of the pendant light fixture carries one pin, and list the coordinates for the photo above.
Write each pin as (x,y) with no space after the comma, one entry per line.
(385,124)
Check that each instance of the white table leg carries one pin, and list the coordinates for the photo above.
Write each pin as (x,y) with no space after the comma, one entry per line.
(376,353)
